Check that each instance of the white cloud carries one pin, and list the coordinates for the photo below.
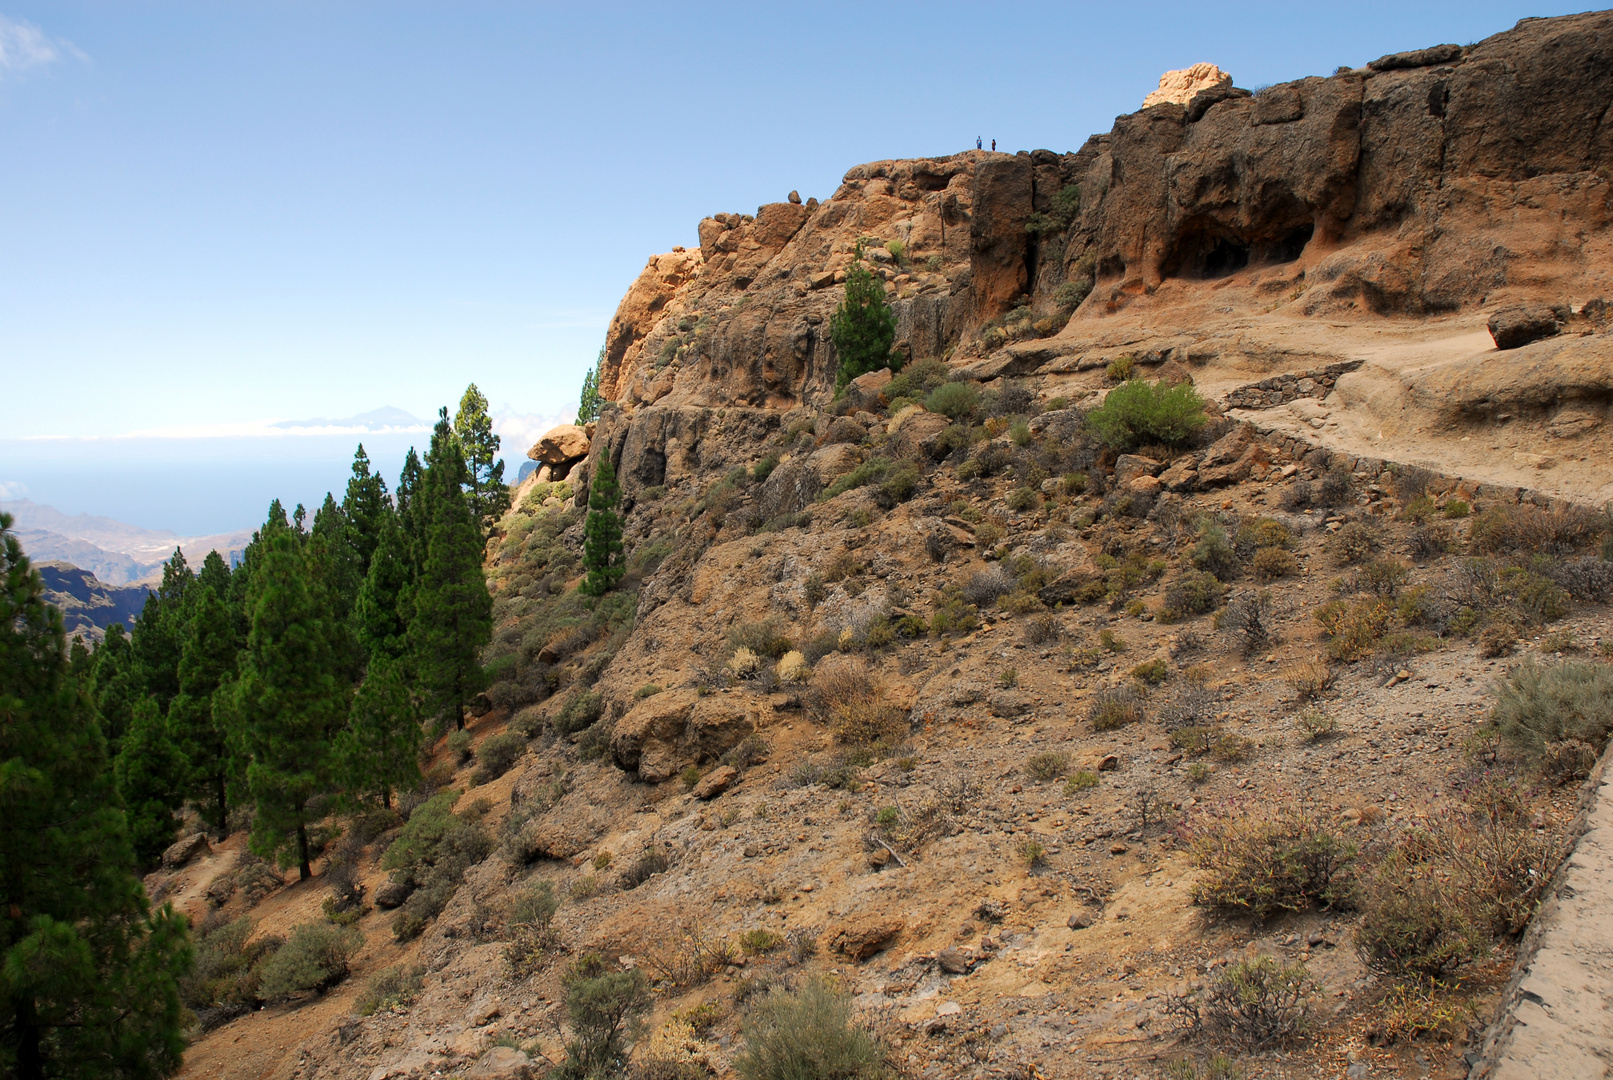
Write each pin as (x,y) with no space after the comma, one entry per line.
(24,46)
(12,489)
(518,431)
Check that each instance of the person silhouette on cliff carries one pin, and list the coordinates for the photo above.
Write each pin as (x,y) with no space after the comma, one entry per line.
(978,143)
(994,146)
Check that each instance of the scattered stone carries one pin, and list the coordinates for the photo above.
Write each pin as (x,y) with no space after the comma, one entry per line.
(952,962)
(1080,920)
(1130,466)
(861,938)
(716,782)
(1118,849)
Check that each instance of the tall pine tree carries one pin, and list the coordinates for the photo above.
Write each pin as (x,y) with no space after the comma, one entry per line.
(488,496)
(386,599)
(380,749)
(287,702)
(150,775)
(160,631)
(602,532)
(411,511)
(206,663)
(453,613)
(115,685)
(88,973)
(366,506)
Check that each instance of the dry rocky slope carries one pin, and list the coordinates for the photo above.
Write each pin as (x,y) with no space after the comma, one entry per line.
(1321,259)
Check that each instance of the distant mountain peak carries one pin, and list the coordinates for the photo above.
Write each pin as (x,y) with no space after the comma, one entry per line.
(386,418)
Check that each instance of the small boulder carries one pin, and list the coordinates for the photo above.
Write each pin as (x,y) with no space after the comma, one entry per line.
(1009,703)
(1130,466)
(845,429)
(795,197)
(1144,485)
(392,894)
(1183,475)
(715,782)
(184,850)
(860,938)
(952,962)
(1520,324)
(872,382)
(502,1063)
(1080,920)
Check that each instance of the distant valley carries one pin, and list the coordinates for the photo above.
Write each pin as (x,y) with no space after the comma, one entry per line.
(115,552)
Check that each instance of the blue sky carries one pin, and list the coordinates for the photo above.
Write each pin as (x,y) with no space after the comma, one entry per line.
(222,213)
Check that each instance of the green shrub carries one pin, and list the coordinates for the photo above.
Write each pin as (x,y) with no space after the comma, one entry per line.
(1115,707)
(900,483)
(579,712)
(531,927)
(808,1034)
(1354,542)
(1557,709)
(1047,765)
(432,853)
(1138,412)
(649,689)
(459,747)
(223,984)
(1152,672)
(1079,781)
(759,942)
(1457,508)
(496,754)
(1261,1001)
(764,468)
(390,988)
(1265,859)
(1024,499)
(1271,563)
(1069,296)
(1193,592)
(953,400)
(1264,532)
(764,638)
(863,327)
(312,960)
(1417,922)
(871,471)
(1121,368)
(914,381)
(1213,553)
(604,1008)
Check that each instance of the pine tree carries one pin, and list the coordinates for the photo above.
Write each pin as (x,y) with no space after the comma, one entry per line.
(453,614)
(590,400)
(366,505)
(160,632)
(386,599)
(206,663)
(863,327)
(115,685)
(150,775)
(489,497)
(411,513)
(602,532)
(214,574)
(379,751)
(88,973)
(286,703)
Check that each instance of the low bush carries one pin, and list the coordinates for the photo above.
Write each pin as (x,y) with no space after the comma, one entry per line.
(1121,368)
(1023,499)
(1271,563)
(984,587)
(1353,630)
(1047,765)
(432,853)
(1308,678)
(605,1007)
(460,747)
(580,711)
(1334,489)
(1190,704)
(1138,412)
(764,638)
(1043,629)
(1382,577)
(1430,542)
(531,928)
(1557,712)
(1561,530)
(1316,724)
(1213,553)
(1260,1002)
(1261,860)
(390,988)
(496,755)
(1192,592)
(1079,781)
(223,983)
(953,400)
(1151,672)
(312,960)
(1248,617)
(1355,542)
(1457,508)
(807,1034)
(1115,707)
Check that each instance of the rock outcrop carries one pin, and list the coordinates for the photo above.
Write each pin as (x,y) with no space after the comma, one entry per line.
(1181,87)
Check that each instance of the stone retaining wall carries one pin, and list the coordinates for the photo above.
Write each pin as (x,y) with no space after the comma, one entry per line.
(1554,1021)
(1281,389)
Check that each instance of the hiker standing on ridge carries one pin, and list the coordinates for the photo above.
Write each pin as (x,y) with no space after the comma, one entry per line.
(994,146)
(978,143)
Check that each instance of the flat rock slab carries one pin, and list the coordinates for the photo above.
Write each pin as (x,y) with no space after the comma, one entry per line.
(1555,1023)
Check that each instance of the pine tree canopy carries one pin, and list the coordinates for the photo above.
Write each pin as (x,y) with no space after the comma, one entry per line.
(365,505)
(379,750)
(410,514)
(386,599)
(453,613)
(863,327)
(590,400)
(206,663)
(160,631)
(150,774)
(115,685)
(489,497)
(287,702)
(88,973)
(602,532)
